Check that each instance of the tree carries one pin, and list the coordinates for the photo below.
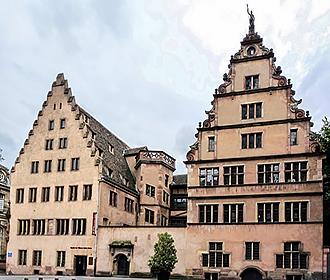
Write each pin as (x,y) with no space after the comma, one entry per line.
(164,259)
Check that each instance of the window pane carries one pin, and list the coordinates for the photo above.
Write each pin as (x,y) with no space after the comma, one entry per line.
(258,140)
(251,141)
(244,112)
(244,141)
(251,111)
(258,110)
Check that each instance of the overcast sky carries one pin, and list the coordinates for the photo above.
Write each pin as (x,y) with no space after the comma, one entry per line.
(147,69)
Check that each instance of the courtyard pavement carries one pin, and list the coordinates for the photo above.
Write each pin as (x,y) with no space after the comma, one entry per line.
(41,277)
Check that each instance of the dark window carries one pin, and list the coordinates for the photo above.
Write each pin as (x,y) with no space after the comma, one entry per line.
(62,123)
(20,196)
(75,164)
(34,167)
(252,251)
(36,261)
(252,82)
(113,199)
(32,194)
(149,216)
(61,165)
(163,221)
(296,171)
(233,213)
(211,275)
(215,257)
(63,143)
(233,175)
(293,257)
(45,194)
(165,197)
(179,202)
(150,190)
(62,226)
(22,256)
(268,173)
(48,166)
(211,144)
(166,180)
(51,125)
(73,193)
(78,226)
(209,176)
(49,144)
(268,212)
(208,213)
(87,194)
(129,205)
(244,111)
(23,227)
(293,137)
(60,259)
(251,111)
(59,191)
(296,211)
(252,140)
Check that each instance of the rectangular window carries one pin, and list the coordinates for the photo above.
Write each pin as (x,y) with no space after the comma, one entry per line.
(233,213)
(296,211)
(36,260)
(163,221)
(268,212)
(78,226)
(2,201)
(23,227)
(128,205)
(293,257)
(87,194)
(166,180)
(60,259)
(63,143)
(59,191)
(295,171)
(215,257)
(211,275)
(233,175)
(211,145)
(39,227)
(75,164)
(179,203)
(111,149)
(73,193)
(34,167)
(113,199)
(20,196)
(150,190)
(62,123)
(45,194)
(209,176)
(61,165)
(51,125)
(268,173)
(251,111)
(48,166)
(22,256)
(252,251)
(252,82)
(32,194)
(149,216)
(62,226)
(165,197)
(252,140)
(293,277)
(208,213)
(49,144)
(293,136)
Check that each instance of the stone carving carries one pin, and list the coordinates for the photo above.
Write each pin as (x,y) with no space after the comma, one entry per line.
(251,20)
(277,71)
(192,153)
(211,116)
(227,81)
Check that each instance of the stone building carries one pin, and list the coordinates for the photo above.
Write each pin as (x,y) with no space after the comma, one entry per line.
(250,206)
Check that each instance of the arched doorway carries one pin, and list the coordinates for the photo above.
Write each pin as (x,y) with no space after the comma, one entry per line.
(251,274)
(122,265)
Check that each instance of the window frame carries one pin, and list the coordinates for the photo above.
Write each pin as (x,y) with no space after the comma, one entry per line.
(208,216)
(239,176)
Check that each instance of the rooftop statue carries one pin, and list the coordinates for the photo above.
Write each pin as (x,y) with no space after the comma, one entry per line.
(251,20)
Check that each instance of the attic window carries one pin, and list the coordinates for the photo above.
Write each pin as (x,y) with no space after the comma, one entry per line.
(93,135)
(111,149)
(108,171)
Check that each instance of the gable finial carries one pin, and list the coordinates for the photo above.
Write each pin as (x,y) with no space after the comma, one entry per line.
(251,20)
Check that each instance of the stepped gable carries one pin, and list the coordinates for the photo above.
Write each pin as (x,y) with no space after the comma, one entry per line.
(115,161)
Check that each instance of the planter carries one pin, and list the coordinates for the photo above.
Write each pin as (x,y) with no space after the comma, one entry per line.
(163,275)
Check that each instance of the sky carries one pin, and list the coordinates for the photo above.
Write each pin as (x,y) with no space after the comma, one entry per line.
(147,69)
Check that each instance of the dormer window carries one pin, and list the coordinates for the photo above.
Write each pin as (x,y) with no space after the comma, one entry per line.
(252,82)
(111,149)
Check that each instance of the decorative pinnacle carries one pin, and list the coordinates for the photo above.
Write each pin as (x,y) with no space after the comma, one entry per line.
(251,20)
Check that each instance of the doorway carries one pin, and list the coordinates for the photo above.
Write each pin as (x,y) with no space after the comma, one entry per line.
(80,264)
(123,265)
(251,274)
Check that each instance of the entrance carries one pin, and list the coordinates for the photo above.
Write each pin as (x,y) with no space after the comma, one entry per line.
(123,265)
(251,274)
(80,264)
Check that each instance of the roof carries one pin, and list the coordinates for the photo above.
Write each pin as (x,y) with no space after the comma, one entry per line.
(116,160)
(135,151)
(180,179)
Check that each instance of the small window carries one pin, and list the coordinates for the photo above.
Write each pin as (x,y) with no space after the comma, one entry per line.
(60,259)
(48,166)
(113,199)
(252,82)
(45,194)
(211,145)
(19,195)
(32,194)
(62,123)
(59,192)
(62,226)
(49,144)
(73,191)
(34,167)
(63,143)
(36,261)
(87,195)
(252,251)
(111,149)
(75,164)
(22,256)
(51,125)
(150,190)
(165,197)
(251,141)
(166,180)
(149,216)
(129,205)
(293,137)
(78,226)
(251,51)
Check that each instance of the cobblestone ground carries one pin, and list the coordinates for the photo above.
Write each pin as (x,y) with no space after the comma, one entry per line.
(41,277)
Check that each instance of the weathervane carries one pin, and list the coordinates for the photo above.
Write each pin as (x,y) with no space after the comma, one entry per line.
(251,20)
